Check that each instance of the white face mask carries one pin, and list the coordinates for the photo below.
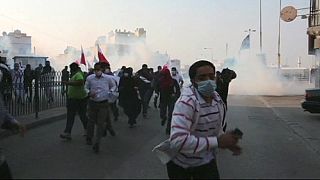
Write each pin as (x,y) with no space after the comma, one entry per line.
(206,88)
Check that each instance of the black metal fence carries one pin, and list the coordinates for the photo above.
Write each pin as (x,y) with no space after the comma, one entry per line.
(41,93)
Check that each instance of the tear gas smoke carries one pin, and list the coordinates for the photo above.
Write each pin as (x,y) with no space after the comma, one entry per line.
(255,78)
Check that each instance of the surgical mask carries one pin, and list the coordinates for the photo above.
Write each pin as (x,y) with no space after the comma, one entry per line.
(98,73)
(126,74)
(206,88)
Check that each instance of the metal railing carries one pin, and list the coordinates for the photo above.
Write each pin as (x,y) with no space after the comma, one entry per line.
(42,93)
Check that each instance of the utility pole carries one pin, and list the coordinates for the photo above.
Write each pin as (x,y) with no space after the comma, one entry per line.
(279,38)
(260,28)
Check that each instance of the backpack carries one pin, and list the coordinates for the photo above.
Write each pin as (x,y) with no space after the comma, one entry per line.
(5,80)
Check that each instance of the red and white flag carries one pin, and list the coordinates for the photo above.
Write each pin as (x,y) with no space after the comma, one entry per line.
(83,59)
(101,57)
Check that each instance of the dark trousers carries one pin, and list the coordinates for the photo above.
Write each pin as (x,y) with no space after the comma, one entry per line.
(28,91)
(132,109)
(5,172)
(166,109)
(206,171)
(155,101)
(74,106)
(98,113)
(114,110)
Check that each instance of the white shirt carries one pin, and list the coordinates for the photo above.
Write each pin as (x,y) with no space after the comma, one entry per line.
(196,146)
(102,86)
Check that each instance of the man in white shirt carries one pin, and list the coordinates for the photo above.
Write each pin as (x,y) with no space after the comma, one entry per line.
(197,127)
(100,87)
(175,75)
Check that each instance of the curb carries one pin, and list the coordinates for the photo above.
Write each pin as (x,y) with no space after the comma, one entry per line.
(36,123)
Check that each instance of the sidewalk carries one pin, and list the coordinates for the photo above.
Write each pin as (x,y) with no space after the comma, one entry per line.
(44,117)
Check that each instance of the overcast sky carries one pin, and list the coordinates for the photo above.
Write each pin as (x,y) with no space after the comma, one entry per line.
(183,28)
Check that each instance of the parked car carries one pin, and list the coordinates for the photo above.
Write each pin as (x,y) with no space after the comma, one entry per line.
(312,100)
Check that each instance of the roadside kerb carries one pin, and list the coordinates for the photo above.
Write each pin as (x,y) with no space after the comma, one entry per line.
(45,117)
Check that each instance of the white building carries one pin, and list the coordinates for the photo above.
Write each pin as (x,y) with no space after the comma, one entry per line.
(34,61)
(120,43)
(15,43)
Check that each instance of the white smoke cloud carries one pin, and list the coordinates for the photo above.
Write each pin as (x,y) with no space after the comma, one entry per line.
(254,78)
(134,57)
(5,47)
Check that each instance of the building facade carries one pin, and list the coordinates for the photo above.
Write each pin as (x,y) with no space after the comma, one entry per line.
(15,43)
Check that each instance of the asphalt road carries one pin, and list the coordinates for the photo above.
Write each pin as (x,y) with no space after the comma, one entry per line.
(280,141)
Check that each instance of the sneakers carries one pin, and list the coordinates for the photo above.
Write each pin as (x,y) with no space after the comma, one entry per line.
(96,147)
(65,136)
